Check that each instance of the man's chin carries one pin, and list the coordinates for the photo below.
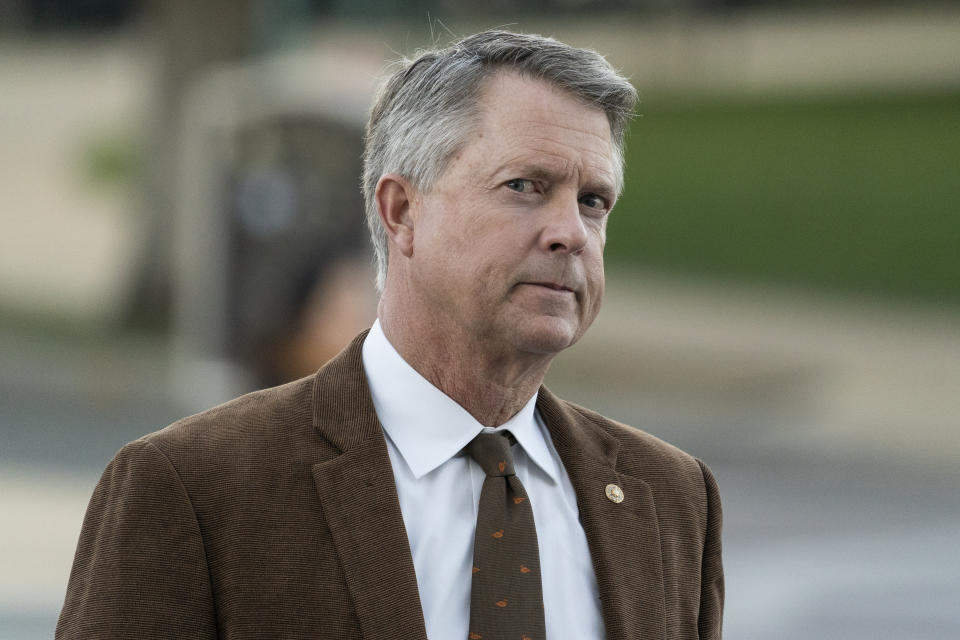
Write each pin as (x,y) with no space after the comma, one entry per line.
(546,335)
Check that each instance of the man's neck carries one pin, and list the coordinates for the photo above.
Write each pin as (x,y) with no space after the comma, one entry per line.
(491,386)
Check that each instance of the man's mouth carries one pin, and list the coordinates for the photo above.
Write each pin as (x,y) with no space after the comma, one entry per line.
(552,285)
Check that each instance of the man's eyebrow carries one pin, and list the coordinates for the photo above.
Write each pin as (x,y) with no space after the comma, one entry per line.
(528,170)
(542,171)
(603,188)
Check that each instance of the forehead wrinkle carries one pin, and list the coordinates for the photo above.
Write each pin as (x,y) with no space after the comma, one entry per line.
(553,133)
(546,114)
(605,139)
(542,138)
(558,100)
(567,153)
(582,156)
(554,100)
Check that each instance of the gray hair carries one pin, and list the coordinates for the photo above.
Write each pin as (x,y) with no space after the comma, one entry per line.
(425,110)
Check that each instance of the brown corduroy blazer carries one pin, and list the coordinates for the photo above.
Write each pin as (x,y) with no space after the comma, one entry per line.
(276,516)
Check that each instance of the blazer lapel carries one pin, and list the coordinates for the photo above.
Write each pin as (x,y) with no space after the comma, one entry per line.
(624,538)
(358,496)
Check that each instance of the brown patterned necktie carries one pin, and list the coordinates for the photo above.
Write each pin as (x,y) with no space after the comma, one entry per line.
(506,600)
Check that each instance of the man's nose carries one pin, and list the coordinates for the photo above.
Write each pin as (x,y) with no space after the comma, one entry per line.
(564,229)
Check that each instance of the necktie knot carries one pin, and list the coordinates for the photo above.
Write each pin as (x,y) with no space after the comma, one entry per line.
(492,452)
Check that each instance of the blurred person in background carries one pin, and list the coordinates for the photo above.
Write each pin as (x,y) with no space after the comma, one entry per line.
(424,483)
(298,254)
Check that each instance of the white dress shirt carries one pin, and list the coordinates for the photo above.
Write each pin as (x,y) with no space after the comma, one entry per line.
(439,490)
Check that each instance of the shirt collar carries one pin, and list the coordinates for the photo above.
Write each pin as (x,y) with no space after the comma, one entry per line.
(427,426)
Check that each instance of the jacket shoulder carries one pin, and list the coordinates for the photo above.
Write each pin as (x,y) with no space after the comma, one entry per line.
(244,438)
(256,415)
(636,442)
(669,471)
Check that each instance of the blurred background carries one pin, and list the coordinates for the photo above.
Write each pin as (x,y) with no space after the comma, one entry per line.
(181,223)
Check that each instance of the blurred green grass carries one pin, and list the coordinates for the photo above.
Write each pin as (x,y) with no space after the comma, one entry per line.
(849,193)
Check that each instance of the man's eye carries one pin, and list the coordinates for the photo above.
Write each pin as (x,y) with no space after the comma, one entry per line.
(593,201)
(521,186)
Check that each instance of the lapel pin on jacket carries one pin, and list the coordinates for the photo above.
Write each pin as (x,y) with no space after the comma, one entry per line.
(614,493)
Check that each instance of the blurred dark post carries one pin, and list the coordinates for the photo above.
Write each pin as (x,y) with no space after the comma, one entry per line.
(271,261)
(13,15)
(189,38)
(255,235)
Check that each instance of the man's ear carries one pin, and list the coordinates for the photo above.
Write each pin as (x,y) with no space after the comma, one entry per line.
(394,197)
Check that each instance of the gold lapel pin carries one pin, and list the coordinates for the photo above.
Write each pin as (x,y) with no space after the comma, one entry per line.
(614,493)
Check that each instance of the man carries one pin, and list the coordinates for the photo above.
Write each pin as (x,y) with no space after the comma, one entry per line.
(363,501)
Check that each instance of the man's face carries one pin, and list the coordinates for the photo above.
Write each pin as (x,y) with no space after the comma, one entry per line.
(508,243)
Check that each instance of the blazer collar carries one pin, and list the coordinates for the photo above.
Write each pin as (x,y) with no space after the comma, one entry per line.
(624,538)
(342,409)
(358,496)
